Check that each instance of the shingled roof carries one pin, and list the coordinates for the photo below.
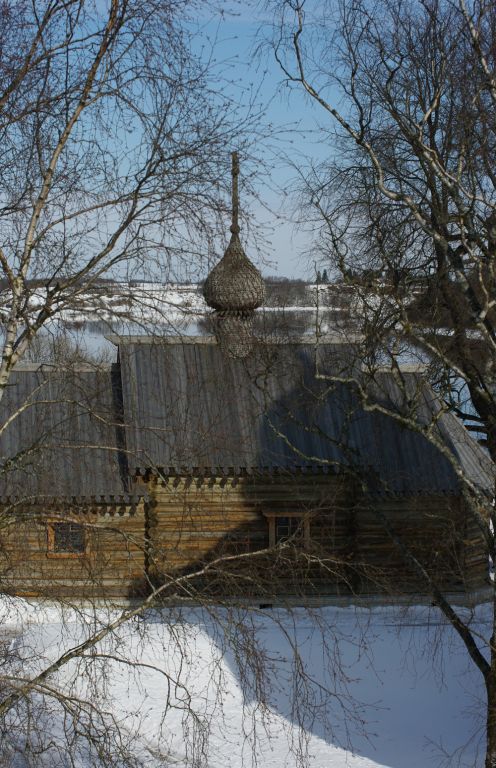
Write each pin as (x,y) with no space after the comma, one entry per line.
(189,408)
(61,436)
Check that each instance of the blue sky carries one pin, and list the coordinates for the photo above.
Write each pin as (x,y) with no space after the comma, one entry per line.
(287,249)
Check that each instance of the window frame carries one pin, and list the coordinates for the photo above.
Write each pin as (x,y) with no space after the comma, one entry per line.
(301,515)
(51,550)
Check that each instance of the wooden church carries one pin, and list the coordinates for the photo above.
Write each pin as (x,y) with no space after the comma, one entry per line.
(233,468)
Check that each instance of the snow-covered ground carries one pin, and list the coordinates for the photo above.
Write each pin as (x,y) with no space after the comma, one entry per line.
(224,689)
(154,303)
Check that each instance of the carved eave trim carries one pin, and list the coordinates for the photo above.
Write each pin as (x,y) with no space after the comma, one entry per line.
(43,506)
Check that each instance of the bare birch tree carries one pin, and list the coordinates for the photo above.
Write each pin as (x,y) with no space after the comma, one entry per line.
(405,208)
(113,135)
(111,131)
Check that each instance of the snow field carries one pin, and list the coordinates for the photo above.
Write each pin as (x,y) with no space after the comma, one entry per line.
(329,688)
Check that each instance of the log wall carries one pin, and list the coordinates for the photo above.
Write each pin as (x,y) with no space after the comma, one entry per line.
(223,530)
(112,564)
(344,545)
(195,522)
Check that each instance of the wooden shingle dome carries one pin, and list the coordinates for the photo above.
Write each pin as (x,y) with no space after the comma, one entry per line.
(234,288)
(234,284)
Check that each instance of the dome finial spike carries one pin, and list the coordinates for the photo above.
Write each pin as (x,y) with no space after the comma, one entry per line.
(235,194)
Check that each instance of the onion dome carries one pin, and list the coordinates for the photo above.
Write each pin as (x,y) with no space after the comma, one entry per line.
(234,288)
(234,284)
